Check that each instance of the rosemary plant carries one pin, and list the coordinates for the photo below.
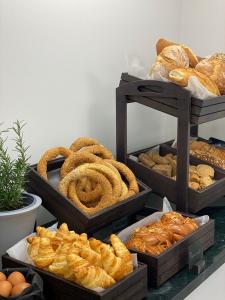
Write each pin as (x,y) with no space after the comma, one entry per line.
(13,171)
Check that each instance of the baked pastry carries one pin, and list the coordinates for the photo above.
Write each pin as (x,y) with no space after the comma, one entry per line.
(214,67)
(170,58)
(209,153)
(207,157)
(158,236)
(158,159)
(205,181)
(165,170)
(91,256)
(92,277)
(146,160)
(45,255)
(181,76)
(199,145)
(163,43)
(205,170)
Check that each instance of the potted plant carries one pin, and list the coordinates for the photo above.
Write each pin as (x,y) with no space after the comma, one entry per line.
(17,208)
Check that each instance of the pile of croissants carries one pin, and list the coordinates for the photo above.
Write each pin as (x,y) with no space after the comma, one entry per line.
(155,238)
(87,262)
(177,63)
(90,177)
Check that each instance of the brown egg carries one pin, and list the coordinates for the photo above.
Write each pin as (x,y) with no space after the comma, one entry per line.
(18,288)
(5,288)
(2,276)
(16,277)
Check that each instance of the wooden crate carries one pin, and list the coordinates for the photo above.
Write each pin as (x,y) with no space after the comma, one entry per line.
(132,287)
(65,211)
(171,261)
(165,186)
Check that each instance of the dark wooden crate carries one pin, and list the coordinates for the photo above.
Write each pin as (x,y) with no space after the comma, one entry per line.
(165,186)
(171,261)
(62,208)
(133,287)
(201,110)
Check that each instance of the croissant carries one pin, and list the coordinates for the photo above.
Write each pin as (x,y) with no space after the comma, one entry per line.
(111,263)
(43,232)
(74,262)
(91,256)
(83,238)
(93,277)
(122,252)
(33,247)
(59,265)
(96,245)
(120,249)
(63,234)
(45,255)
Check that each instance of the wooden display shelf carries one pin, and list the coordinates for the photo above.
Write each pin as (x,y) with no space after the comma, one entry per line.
(175,101)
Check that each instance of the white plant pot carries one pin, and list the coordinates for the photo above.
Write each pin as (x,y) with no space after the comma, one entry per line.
(16,224)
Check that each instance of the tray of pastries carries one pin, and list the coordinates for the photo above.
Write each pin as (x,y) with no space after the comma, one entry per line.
(157,168)
(75,266)
(86,187)
(162,241)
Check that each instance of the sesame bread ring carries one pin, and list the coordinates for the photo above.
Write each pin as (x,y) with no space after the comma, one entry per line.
(98,150)
(128,174)
(49,155)
(107,198)
(83,142)
(107,172)
(77,159)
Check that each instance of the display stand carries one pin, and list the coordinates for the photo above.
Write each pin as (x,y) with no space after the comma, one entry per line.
(175,101)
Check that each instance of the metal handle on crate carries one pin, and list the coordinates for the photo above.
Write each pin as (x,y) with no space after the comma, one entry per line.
(153,88)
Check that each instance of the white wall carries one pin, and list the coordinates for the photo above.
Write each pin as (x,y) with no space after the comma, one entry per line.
(60,62)
(203,28)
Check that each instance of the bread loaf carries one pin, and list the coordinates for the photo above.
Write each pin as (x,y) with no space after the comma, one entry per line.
(170,58)
(181,76)
(163,43)
(214,67)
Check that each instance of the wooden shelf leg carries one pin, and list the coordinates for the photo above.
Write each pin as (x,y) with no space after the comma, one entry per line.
(194,131)
(121,127)
(183,134)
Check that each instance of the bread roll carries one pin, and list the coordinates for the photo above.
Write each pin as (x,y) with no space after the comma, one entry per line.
(170,58)
(214,67)
(181,76)
(163,43)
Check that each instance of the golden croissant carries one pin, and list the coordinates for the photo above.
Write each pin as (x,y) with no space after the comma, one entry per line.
(59,265)
(33,247)
(63,234)
(45,255)
(93,277)
(122,252)
(111,263)
(74,262)
(96,245)
(43,232)
(91,256)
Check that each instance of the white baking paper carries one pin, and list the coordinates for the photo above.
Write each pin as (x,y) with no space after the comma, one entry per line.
(125,234)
